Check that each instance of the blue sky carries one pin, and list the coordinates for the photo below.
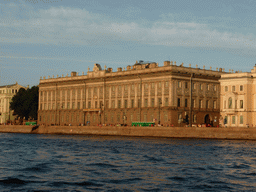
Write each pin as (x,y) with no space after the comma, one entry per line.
(55,37)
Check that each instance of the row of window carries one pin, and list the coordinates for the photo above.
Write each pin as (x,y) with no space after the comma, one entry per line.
(194,104)
(233,88)
(233,119)
(194,86)
(231,106)
(9,91)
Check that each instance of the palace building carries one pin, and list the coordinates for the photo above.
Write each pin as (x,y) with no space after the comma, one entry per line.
(144,92)
(238,99)
(6,94)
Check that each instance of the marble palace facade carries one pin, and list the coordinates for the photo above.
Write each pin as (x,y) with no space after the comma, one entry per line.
(143,92)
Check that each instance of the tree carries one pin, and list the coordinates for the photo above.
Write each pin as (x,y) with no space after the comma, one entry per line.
(25,103)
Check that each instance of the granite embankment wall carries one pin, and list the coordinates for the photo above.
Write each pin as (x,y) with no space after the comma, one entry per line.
(172,132)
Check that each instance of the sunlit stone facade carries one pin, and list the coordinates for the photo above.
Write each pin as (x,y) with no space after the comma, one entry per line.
(144,92)
(6,94)
(238,99)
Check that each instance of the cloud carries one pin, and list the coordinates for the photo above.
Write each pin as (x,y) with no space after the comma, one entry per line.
(66,26)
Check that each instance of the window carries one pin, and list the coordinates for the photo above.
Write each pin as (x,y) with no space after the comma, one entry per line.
(146,86)
(226,120)
(53,106)
(194,86)
(125,103)
(118,118)
(153,85)
(241,87)
(208,87)
(194,103)
(225,104)
(200,86)
(241,104)
(166,101)
(89,104)
(194,118)
(68,105)
(119,88)
(132,103)
(200,103)
(230,103)
(233,88)
(233,119)
(186,85)
(45,106)
(113,104)
(126,87)
(165,117)
(145,117)
(146,103)
(241,120)
(78,105)
(132,86)
(63,106)
(49,106)
(96,104)
(159,85)
(186,102)
(77,118)
(166,84)
(73,105)
(152,102)
(113,88)
(226,88)
(207,104)
(214,104)
(119,104)
(214,87)
(178,102)
(159,101)
(95,90)
(179,84)
(107,105)
(139,103)
(67,118)
(131,118)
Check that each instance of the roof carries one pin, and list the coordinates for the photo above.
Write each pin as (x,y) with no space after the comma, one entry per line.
(8,86)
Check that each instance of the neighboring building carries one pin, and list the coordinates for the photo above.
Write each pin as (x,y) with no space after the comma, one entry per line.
(143,92)
(238,99)
(6,94)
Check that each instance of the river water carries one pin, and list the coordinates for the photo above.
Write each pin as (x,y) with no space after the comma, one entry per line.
(30,162)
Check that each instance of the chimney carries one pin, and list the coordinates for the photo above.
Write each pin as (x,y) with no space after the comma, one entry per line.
(73,74)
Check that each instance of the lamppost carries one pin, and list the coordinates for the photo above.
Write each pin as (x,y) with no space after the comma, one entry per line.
(101,105)
(160,102)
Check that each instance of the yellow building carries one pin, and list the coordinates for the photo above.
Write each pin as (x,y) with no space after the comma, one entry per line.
(6,94)
(238,99)
(144,92)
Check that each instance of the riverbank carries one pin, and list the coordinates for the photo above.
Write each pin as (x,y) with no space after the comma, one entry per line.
(171,132)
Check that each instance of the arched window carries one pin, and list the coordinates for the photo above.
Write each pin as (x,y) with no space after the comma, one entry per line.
(230,103)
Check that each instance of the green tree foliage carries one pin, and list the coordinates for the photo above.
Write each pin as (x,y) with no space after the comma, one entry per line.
(25,103)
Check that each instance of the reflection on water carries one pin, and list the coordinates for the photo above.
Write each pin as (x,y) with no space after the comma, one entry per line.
(93,163)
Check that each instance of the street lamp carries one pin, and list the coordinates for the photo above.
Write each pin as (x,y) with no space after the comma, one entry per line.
(160,102)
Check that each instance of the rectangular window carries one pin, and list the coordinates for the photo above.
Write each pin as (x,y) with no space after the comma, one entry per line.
(186,102)
(179,84)
(233,88)
(225,104)
(159,101)
(226,88)
(207,104)
(159,85)
(241,87)
(241,104)
(113,104)
(241,120)
(131,117)
(89,104)
(194,86)
(226,120)
(113,88)
(78,105)
(214,87)
(49,106)
(208,87)
(119,88)
(193,103)
(178,102)
(73,105)
(95,91)
(200,103)
(132,87)
(107,105)
(194,118)
(186,85)
(166,102)
(152,102)
(200,86)
(165,117)
(153,85)
(53,106)
(125,103)
(118,118)
(45,106)
(166,84)
(139,103)
(233,119)
(145,117)
(68,105)
(132,103)
(63,106)
(126,87)
(146,103)
(119,103)
(214,104)
(96,104)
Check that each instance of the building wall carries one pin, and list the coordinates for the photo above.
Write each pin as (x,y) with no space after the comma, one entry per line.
(131,95)
(240,88)
(6,94)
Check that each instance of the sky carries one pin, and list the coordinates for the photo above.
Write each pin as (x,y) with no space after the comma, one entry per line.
(54,37)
